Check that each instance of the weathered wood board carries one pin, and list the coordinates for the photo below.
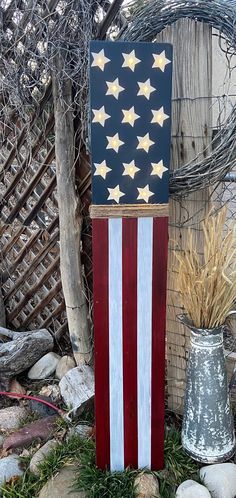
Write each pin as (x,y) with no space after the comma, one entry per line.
(130,137)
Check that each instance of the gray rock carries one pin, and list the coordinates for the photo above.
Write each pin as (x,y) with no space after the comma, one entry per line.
(220,479)
(9,467)
(21,351)
(77,388)
(64,365)
(84,431)
(52,391)
(40,430)
(40,455)
(192,489)
(40,408)
(147,486)
(11,417)
(44,367)
(60,485)
(1,440)
(16,387)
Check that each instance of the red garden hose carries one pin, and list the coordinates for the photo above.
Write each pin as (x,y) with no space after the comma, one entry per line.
(26,396)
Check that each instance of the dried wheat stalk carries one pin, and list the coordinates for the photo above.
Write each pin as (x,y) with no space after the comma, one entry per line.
(208,283)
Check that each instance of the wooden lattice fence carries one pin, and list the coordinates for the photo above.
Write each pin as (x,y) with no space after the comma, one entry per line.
(30,259)
(29,222)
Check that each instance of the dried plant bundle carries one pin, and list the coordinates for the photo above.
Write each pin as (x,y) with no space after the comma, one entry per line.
(207,283)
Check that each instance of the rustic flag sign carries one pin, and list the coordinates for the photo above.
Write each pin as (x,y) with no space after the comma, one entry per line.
(130,90)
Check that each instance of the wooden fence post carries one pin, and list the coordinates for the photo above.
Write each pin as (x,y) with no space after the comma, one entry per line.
(191,133)
(70,219)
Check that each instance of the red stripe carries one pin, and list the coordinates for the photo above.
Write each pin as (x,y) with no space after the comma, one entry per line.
(160,248)
(101,341)
(129,287)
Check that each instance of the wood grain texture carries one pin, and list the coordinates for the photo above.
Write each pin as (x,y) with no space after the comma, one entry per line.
(129,267)
(22,350)
(130,271)
(128,211)
(159,283)
(70,219)
(191,133)
(101,342)
(144,317)
(116,345)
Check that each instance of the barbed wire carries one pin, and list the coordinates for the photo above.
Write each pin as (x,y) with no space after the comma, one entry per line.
(153,16)
(30,39)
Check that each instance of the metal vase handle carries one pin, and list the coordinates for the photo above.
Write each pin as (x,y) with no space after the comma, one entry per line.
(233,312)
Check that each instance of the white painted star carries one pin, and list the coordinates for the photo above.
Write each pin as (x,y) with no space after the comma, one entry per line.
(158,169)
(114,88)
(145,88)
(130,60)
(114,142)
(101,169)
(144,142)
(115,194)
(144,193)
(100,116)
(160,61)
(99,59)
(159,116)
(130,116)
(130,169)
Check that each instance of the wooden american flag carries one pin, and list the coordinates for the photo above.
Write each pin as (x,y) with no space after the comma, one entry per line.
(130,94)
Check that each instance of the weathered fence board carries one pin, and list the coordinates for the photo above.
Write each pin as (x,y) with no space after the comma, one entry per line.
(191,133)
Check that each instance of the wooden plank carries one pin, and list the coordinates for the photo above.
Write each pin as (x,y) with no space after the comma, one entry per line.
(144,338)
(129,211)
(101,344)
(129,305)
(115,345)
(191,130)
(159,276)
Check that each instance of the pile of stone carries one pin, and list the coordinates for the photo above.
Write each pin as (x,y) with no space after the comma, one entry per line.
(75,386)
(63,381)
(218,481)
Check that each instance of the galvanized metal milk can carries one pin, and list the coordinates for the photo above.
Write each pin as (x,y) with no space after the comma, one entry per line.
(208,429)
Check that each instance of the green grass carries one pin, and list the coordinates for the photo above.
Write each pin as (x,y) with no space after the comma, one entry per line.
(178,465)
(28,419)
(28,486)
(97,483)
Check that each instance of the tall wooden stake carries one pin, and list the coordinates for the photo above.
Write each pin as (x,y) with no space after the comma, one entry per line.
(70,220)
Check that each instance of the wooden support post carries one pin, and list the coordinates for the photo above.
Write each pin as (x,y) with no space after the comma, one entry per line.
(70,219)
(191,133)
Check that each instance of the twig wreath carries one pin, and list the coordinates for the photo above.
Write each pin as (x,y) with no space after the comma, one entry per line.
(152,18)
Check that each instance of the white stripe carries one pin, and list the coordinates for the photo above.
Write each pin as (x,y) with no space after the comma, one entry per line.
(116,346)
(144,276)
